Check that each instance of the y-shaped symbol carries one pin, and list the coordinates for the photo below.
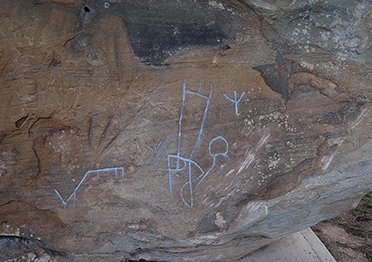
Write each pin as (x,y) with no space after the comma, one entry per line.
(115,170)
(159,149)
(236,101)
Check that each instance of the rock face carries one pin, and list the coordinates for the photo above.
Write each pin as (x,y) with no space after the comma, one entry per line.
(179,130)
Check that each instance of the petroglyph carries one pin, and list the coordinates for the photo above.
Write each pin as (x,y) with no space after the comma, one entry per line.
(114,170)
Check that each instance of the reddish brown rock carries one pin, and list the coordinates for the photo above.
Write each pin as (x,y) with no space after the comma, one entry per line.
(100,158)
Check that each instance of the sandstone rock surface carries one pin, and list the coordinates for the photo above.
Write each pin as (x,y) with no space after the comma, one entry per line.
(179,130)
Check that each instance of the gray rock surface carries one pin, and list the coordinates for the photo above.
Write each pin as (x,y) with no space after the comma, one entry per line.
(340,27)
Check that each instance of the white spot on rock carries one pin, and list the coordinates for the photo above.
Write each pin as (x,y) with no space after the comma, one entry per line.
(220,222)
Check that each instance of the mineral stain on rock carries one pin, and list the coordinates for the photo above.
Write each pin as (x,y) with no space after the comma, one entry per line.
(158,29)
(275,77)
(153,44)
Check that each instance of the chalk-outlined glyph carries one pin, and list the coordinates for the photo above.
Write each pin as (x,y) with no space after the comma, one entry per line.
(180,163)
(235,101)
(115,170)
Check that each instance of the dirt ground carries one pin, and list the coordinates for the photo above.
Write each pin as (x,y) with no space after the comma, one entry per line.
(349,237)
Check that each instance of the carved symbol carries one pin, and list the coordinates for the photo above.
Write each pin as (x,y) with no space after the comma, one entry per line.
(115,170)
(187,164)
(178,163)
(159,149)
(236,101)
(215,155)
(251,154)
(202,123)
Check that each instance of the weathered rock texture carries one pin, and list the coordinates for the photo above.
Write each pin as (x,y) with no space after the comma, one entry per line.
(226,125)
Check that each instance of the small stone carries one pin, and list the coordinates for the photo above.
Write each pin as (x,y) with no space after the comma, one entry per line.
(31,256)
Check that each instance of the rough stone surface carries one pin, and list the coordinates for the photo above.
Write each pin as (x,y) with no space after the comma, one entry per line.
(99,84)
